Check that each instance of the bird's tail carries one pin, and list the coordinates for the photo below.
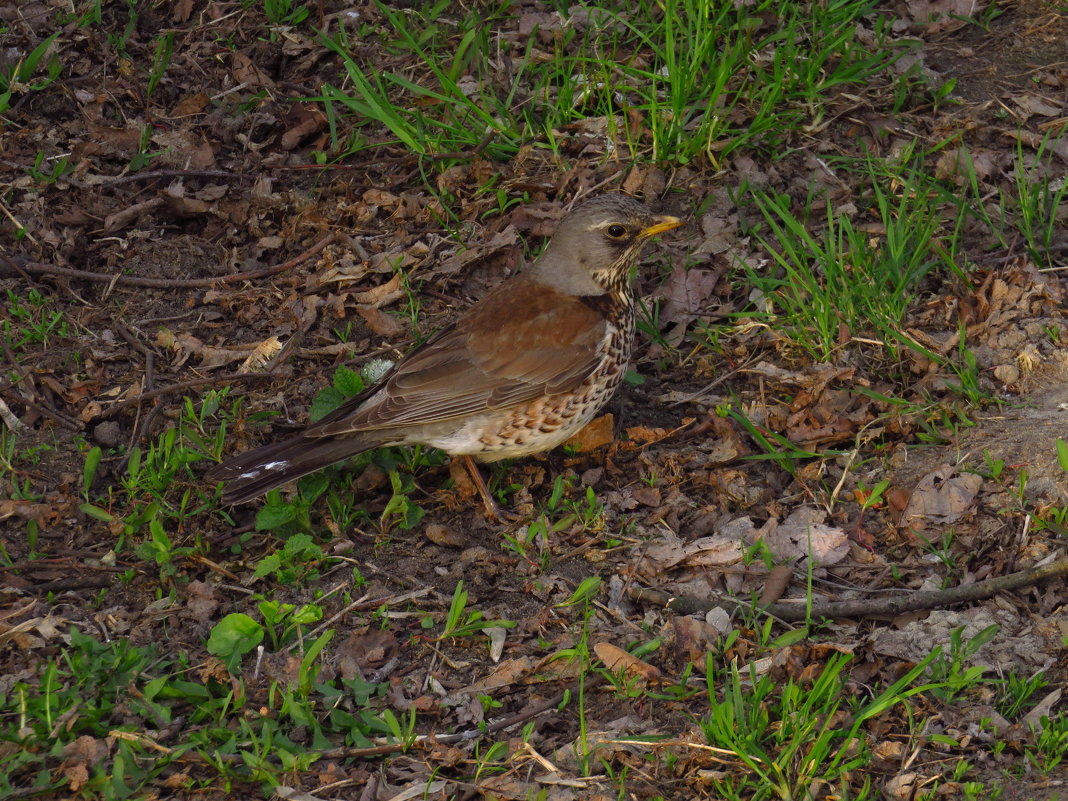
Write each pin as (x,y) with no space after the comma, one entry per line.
(252,473)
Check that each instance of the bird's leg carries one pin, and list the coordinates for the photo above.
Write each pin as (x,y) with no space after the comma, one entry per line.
(493,510)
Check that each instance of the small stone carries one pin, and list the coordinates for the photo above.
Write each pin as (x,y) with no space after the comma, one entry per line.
(445,536)
(1007,374)
(108,433)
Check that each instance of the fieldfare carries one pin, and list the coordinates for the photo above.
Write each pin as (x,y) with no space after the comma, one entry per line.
(518,373)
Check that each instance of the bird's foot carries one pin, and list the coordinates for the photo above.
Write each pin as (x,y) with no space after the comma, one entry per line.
(493,510)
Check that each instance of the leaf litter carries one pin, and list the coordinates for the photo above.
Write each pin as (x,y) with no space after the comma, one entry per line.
(680,486)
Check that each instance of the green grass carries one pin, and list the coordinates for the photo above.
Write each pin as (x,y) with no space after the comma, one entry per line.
(30,72)
(31,323)
(160,488)
(836,281)
(676,82)
(99,709)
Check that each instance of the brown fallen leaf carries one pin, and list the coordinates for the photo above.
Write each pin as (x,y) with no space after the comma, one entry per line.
(126,216)
(506,674)
(465,486)
(379,322)
(498,245)
(246,72)
(304,121)
(778,579)
(941,497)
(445,536)
(694,638)
(803,535)
(687,294)
(263,353)
(536,219)
(670,550)
(383,294)
(616,659)
(598,432)
(941,16)
(189,105)
(645,435)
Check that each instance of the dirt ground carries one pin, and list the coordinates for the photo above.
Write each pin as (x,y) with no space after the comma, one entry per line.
(353,261)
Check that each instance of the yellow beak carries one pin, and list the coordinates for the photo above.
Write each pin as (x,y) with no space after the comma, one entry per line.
(663,223)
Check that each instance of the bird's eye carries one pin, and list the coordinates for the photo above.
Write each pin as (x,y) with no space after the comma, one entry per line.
(617,231)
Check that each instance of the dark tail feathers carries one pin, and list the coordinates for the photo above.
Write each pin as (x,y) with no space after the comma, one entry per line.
(252,473)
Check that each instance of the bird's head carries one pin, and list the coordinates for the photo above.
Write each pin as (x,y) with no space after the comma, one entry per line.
(596,245)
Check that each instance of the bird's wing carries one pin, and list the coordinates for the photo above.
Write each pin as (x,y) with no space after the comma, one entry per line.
(512,347)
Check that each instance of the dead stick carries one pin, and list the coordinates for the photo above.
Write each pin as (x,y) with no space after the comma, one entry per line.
(881,607)
(175,388)
(37,268)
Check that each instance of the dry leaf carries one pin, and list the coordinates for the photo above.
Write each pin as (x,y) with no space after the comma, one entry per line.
(446,536)
(616,659)
(383,294)
(596,433)
(379,322)
(803,534)
(940,497)
(506,674)
(263,353)
(687,294)
(646,436)
(713,551)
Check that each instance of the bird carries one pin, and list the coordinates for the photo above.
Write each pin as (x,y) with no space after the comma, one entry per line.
(518,373)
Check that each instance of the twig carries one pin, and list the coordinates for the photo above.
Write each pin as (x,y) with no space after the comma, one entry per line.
(66,422)
(148,385)
(150,175)
(26,381)
(881,607)
(38,268)
(184,385)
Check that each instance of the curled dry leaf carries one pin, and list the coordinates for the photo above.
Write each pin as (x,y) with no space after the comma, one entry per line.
(497,636)
(263,353)
(670,551)
(379,322)
(778,579)
(128,215)
(303,122)
(616,659)
(383,294)
(802,535)
(940,497)
(465,486)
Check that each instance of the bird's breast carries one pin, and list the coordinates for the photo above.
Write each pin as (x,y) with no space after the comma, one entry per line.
(548,421)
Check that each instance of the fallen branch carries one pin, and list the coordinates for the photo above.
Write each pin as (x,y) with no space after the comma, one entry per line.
(874,607)
(39,268)
(181,387)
